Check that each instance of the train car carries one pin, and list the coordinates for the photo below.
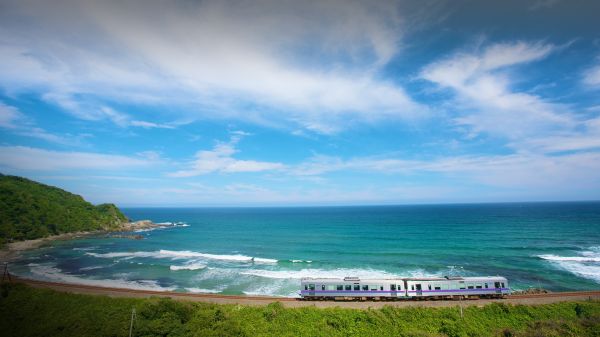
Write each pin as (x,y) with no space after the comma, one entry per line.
(351,288)
(446,287)
(403,288)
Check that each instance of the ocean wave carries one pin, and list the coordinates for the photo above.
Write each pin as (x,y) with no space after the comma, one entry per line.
(320,273)
(190,266)
(183,254)
(587,265)
(203,291)
(570,258)
(90,268)
(271,289)
(50,272)
(163,225)
(300,261)
(85,248)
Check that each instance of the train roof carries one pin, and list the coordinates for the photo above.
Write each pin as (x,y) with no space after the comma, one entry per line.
(446,278)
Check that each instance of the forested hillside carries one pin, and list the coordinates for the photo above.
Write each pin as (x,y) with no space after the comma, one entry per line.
(30,210)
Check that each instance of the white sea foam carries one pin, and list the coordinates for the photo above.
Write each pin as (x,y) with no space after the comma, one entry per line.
(271,289)
(320,273)
(189,266)
(203,291)
(183,254)
(91,268)
(85,248)
(52,273)
(301,261)
(587,265)
(570,258)
(163,225)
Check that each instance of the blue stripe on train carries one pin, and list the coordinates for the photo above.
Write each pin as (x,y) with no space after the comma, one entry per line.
(402,291)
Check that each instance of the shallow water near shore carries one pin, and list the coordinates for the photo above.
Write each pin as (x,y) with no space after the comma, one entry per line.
(265,251)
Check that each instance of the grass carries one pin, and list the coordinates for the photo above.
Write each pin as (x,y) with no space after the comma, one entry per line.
(25,311)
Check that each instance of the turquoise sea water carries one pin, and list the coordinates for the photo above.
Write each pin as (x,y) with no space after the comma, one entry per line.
(267,250)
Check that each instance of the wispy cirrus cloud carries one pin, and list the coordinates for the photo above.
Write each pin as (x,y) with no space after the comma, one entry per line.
(228,56)
(591,76)
(17,158)
(220,160)
(14,121)
(482,81)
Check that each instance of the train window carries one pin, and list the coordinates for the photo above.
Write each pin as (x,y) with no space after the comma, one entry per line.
(438,288)
(305,287)
(412,287)
(356,287)
(470,287)
(348,287)
(496,284)
(323,287)
(380,287)
(392,287)
(429,286)
(478,287)
(502,284)
(311,287)
(365,287)
(399,287)
(486,286)
(340,287)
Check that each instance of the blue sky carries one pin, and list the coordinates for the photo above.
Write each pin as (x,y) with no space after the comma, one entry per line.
(244,103)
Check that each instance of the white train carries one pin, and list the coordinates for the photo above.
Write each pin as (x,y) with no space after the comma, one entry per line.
(404,288)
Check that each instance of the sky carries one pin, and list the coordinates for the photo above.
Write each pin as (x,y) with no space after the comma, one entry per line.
(280,103)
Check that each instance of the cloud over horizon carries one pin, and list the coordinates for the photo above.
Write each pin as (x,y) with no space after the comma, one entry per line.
(281,102)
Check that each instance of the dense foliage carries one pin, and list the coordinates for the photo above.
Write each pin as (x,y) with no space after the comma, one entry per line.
(27,311)
(30,210)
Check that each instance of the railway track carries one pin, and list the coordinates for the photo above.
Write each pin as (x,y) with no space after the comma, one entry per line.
(295,302)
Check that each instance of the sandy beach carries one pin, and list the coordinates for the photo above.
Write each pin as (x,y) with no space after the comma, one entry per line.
(12,250)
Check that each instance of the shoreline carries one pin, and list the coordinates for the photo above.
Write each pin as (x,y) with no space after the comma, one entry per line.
(12,250)
(528,299)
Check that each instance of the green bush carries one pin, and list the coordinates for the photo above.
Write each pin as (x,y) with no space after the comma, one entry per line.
(30,210)
(26,311)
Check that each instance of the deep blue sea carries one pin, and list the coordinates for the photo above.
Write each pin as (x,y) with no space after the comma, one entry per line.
(267,250)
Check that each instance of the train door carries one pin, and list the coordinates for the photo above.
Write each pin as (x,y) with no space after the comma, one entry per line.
(393,292)
(311,290)
(419,289)
(497,286)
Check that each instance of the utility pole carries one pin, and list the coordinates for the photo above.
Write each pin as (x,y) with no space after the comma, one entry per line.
(461,309)
(6,274)
(132,319)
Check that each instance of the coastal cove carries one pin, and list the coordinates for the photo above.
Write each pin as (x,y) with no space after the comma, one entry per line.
(265,251)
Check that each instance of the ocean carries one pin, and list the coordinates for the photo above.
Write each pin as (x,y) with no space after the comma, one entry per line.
(265,251)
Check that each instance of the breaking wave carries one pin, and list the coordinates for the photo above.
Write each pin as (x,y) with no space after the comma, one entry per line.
(184,254)
(203,291)
(190,266)
(163,225)
(323,273)
(587,265)
(52,273)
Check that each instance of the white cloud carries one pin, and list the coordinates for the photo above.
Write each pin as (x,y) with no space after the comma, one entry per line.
(34,159)
(485,103)
(212,56)
(220,159)
(9,116)
(17,123)
(591,76)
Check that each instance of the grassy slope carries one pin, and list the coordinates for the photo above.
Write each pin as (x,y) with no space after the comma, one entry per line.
(30,210)
(26,311)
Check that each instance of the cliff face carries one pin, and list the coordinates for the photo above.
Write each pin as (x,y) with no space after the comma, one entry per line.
(30,210)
